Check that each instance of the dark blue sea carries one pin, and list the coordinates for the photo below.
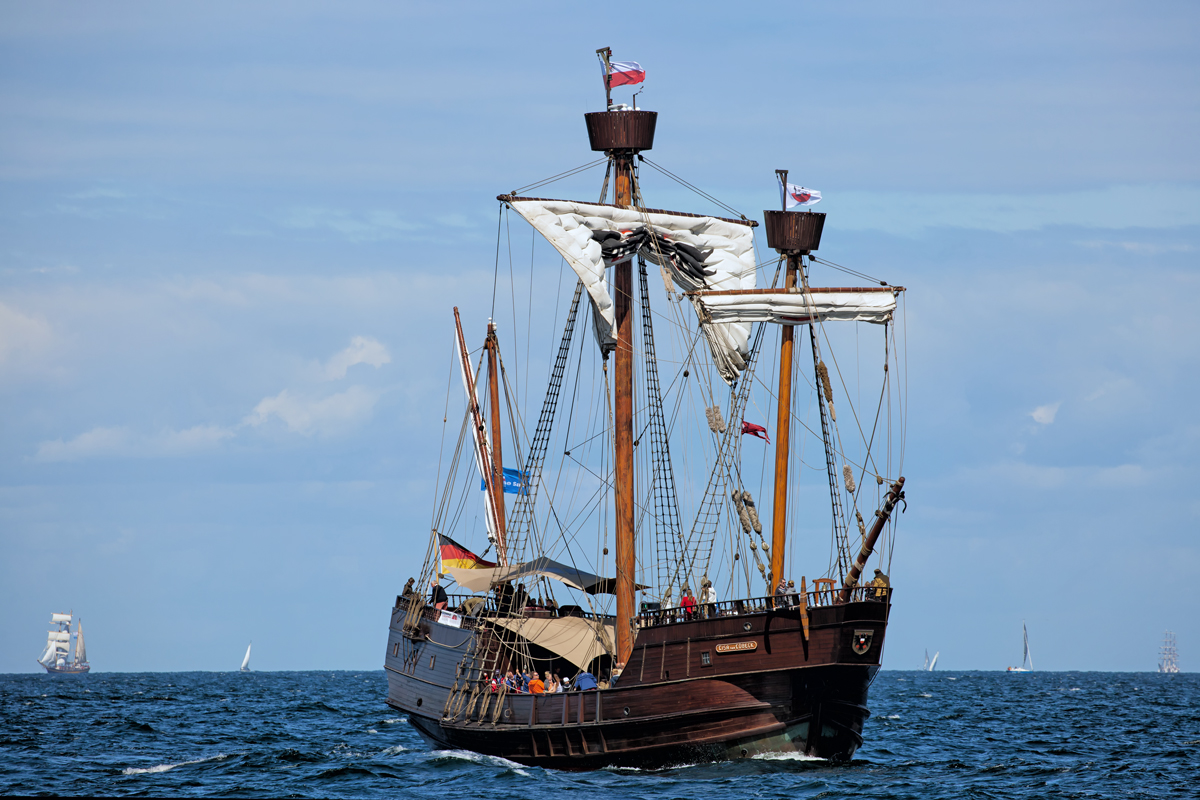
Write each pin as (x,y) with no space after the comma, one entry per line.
(329,734)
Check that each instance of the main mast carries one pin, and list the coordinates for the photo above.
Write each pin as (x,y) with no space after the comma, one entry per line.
(622,134)
(792,234)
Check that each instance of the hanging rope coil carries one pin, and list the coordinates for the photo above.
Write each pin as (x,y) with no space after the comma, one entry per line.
(752,510)
(742,511)
(823,371)
(716,421)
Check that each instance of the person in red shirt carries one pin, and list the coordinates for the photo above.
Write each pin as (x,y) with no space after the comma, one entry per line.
(689,604)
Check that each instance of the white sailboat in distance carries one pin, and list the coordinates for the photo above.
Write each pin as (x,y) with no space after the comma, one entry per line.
(246,660)
(1028,659)
(930,665)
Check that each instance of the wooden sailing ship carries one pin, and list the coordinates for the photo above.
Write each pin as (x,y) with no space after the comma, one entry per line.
(686,679)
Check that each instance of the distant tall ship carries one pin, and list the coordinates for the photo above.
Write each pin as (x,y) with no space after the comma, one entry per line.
(246,660)
(57,658)
(1027,661)
(1168,656)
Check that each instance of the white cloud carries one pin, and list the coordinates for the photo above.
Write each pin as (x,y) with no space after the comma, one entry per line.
(1045,414)
(1140,206)
(21,334)
(362,350)
(316,415)
(121,443)
(371,226)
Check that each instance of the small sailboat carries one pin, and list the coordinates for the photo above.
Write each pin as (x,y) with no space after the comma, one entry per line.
(1028,659)
(57,658)
(930,665)
(246,660)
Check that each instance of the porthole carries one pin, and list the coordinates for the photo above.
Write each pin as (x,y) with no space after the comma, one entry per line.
(746,626)
(627,711)
(419,702)
(508,712)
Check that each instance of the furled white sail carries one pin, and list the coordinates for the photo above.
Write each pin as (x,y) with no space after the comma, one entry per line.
(698,252)
(57,618)
(246,660)
(80,649)
(797,307)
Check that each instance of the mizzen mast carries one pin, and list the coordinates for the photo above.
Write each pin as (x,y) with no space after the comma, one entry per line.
(622,133)
(492,345)
(482,451)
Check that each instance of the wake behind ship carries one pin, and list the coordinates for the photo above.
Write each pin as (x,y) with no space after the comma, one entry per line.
(689,642)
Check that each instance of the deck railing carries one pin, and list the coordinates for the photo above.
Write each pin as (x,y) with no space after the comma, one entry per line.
(758,605)
(472,607)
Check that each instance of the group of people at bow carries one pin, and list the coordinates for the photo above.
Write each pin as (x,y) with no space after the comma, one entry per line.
(533,682)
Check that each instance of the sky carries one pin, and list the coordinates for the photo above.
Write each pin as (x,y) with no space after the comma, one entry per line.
(231,235)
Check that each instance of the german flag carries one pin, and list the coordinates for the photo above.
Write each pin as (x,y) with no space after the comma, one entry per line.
(454,554)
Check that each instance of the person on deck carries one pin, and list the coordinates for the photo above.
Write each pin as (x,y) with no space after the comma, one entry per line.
(408,588)
(585,682)
(708,597)
(880,584)
(793,597)
(536,685)
(689,604)
(437,595)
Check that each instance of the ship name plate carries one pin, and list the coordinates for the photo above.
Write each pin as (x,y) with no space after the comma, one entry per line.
(737,647)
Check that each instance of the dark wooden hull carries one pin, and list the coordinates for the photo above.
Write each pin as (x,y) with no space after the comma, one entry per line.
(679,700)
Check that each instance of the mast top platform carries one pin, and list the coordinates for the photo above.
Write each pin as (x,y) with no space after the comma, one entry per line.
(621,130)
(794,232)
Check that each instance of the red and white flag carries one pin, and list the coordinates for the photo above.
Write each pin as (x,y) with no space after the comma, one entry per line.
(755,430)
(625,73)
(795,195)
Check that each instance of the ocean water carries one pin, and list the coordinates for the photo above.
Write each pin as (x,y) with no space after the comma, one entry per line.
(329,734)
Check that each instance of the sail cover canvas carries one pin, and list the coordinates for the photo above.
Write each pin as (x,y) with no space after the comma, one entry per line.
(698,252)
(798,307)
(576,639)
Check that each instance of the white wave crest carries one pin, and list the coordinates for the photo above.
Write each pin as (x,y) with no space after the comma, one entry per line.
(395,750)
(925,694)
(480,758)
(165,767)
(793,756)
(892,716)
(394,720)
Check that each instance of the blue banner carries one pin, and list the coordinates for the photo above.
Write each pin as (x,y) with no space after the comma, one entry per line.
(514,482)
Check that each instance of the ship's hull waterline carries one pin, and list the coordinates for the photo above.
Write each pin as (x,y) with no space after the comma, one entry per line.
(680,699)
(67,670)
